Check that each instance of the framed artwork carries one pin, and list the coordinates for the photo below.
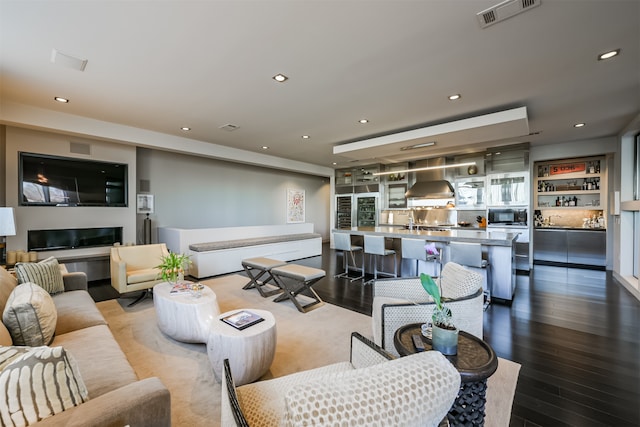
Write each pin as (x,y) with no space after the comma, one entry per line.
(145,203)
(295,206)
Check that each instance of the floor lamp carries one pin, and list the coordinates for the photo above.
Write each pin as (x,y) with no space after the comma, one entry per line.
(7,228)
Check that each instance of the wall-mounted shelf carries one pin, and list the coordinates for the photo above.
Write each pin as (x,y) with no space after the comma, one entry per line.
(570,184)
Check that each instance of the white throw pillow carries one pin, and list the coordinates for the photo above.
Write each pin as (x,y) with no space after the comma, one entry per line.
(30,315)
(45,273)
(38,382)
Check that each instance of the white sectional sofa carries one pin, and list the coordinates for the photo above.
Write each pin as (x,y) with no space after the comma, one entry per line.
(216,251)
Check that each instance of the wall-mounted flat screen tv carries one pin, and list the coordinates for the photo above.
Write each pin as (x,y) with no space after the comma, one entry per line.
(64,181)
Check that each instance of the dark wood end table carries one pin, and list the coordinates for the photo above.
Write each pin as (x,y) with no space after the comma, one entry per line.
(476,361)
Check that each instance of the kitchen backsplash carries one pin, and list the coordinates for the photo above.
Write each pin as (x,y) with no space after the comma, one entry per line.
(570,217)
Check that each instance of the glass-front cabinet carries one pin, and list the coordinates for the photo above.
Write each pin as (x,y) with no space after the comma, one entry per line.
(395,186)
(471,193)
(508,189)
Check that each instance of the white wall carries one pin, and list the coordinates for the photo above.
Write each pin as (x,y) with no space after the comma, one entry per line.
(197,192)
(579,148)
(51,217)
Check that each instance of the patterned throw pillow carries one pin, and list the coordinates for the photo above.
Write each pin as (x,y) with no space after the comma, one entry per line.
(37,383)
(45,273)
(30,315)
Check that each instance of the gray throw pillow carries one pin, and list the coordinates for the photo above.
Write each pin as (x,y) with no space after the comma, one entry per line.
(45,273)
(38,382)
(30,315)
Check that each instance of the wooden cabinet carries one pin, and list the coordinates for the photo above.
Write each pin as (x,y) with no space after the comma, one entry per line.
(571,184)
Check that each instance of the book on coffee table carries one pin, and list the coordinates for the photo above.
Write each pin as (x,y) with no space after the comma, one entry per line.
(180,288)
(242,319)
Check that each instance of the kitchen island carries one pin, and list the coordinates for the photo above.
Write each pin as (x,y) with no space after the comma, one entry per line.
(497,246)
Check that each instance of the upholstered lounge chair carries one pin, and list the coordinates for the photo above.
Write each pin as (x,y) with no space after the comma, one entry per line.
(133,268)
(398,302)
(372,389)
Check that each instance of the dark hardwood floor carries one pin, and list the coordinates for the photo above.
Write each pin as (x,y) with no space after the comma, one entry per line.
(575,332)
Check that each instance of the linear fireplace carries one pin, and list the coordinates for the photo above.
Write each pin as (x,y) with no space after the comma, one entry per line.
(73,238)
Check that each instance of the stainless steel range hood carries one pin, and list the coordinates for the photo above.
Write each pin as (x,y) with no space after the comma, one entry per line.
(440,189)
(431,184)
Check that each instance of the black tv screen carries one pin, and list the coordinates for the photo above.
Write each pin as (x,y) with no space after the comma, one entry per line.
(63,181)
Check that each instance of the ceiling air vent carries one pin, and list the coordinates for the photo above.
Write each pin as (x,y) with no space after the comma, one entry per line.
(229,127)
(505,10)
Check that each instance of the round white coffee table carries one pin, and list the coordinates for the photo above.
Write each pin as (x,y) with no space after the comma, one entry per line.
(184,317)
(250,351)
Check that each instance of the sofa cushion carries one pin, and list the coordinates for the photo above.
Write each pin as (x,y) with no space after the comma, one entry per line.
(7,283)
(145,275)
(415,390)
(262,402)
(76,310)
(459,282)
(103,365)
(30,315)
(45,273)
(142,256)
(37,383)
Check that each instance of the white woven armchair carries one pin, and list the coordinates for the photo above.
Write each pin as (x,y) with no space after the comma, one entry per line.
(401,301)
(372,389)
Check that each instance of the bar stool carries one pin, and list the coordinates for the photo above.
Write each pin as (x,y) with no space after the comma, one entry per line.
(342,242)
(470,255)
(375,245)
(415,249)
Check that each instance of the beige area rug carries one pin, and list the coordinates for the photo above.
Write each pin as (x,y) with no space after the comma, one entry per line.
(305,341)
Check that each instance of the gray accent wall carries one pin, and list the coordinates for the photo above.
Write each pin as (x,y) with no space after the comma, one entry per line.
(198,192)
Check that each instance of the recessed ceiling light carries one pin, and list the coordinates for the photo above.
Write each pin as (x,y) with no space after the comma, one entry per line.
(61,99)
(454,97)
(185,128)
(609,54)
(334,163)
(363,121)
(305,137)
(578,125)
(280,78)
(264,147)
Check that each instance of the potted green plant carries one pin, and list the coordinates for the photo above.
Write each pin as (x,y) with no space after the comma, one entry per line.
(444,334)
(173,267)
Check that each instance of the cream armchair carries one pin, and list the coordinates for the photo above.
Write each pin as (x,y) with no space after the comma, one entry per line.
(133,268)
(401,301)
(372,389)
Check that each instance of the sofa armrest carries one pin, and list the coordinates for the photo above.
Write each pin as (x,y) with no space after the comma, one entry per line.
(76,281)
(118,270)
(143,403)
(365,352)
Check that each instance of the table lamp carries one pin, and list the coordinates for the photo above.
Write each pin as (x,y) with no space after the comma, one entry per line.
(7,228)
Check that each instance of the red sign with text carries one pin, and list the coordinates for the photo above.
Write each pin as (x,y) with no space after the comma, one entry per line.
(567,168)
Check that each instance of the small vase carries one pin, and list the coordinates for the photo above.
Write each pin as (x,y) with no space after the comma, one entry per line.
(445,340)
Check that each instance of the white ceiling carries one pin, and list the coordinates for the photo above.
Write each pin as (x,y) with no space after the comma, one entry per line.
(204,64)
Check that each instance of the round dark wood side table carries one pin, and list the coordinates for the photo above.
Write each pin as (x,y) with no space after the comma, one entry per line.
(476,361)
